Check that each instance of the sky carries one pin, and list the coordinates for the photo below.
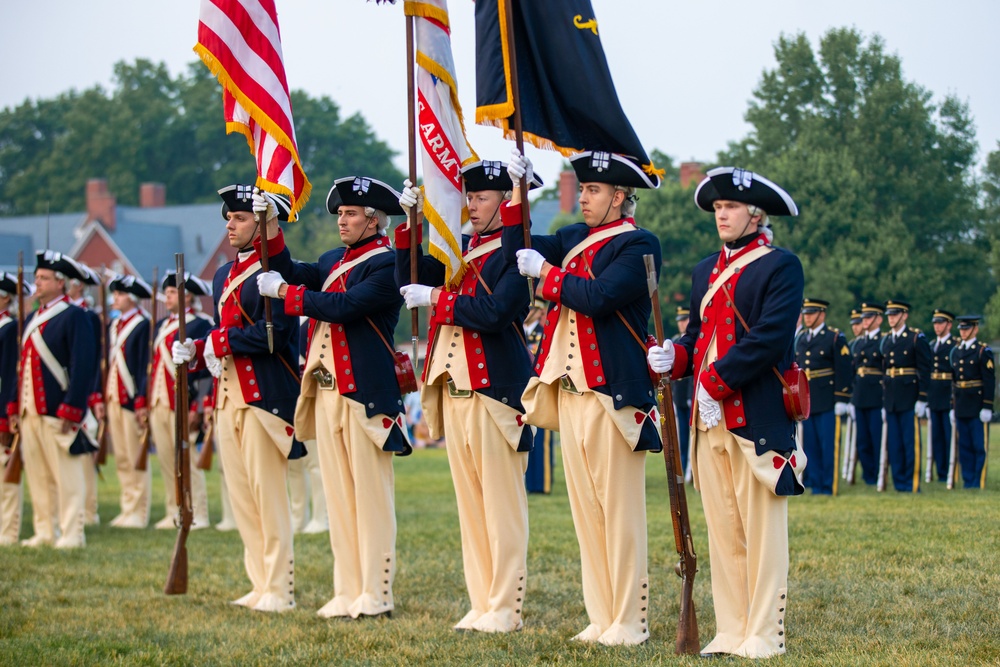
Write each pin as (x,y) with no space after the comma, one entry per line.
(684,71)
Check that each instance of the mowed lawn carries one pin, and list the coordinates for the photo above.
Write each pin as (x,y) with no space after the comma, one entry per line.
(876,579)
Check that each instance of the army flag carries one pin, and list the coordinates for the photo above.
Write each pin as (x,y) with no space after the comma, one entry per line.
(568,99)
(442,134)
(240,43)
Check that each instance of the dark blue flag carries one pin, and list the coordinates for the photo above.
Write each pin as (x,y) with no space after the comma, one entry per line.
(568,100)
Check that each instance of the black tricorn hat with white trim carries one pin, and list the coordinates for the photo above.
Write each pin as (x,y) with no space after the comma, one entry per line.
(239,197)
(363,191)
(69,267)
(611,168)
(192,283)
(131,285)
(742,185)
(8,284)
(492,175)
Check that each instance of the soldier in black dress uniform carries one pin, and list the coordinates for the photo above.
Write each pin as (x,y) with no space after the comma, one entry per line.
(939,394)
(866,397)
(974,389)
(906,362)
(822,351)
(682,398)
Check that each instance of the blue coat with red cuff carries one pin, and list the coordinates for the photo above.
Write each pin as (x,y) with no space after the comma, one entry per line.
(70,338)
(501,365)
(275,376)
(616,364)
(368,292)
(768,294)
(8,367)
(136,359)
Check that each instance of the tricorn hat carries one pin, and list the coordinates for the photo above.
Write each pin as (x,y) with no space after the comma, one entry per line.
(363,191)
(192,283)
(492,175)
(131,285)
(614,169)
(69,267)
(742,185)
(8,284)
(239,197)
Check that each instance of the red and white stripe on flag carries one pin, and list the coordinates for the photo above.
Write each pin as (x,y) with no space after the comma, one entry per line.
(240,43)
(442,134)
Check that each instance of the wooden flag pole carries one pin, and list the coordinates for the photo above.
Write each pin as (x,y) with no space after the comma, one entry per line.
(414,216)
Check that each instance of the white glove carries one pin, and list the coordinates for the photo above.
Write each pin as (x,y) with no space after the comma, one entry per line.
(661,358)
(182,353)
(840,408)
(951,416)
(211,361)
(263,204)
(708,408)
(411,197)
(920,408)
(852,411)
(519,166)
(986,415)
(529,262)
(269,283)
(416,296)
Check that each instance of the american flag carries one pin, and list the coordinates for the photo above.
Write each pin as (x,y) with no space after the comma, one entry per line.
(442,134)
(240,43)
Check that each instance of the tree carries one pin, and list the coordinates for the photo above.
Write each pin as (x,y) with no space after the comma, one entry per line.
(991,216)
(882,175)
(152,127)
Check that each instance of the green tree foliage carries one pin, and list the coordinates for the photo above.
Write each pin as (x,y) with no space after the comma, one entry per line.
(154,127)
(991,218)
(883,177)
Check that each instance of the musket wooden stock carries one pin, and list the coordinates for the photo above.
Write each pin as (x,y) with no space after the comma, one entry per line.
(265,259)
(177,578)
(143,461)
(687,566)
(12,471)
(205,455)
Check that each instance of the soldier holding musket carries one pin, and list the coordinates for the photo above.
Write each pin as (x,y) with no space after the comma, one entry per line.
(57,379)
(866,397)
(822,352)
(162,399)
(10,493)
(257,390)
(973,390)
(125,394)
(906,362)
(745,301)
(939,396)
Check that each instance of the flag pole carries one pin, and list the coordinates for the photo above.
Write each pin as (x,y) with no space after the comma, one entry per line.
(414,215)
(515,94)
(265,267)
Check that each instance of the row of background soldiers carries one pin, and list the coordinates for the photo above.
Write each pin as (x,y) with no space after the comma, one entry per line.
(881,384)
(135,394)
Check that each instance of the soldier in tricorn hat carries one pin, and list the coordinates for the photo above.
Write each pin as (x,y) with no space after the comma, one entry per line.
(745,301)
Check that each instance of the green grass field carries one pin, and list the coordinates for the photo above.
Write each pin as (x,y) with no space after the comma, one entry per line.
(876,579)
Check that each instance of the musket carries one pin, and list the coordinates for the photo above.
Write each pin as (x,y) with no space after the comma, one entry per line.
(143,459)
(12,472)
(207,443)
(102,425)
(177,578)
(687,566)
